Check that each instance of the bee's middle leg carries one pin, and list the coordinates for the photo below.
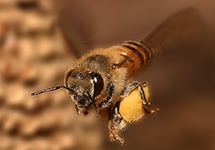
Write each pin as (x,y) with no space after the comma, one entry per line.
(116,123)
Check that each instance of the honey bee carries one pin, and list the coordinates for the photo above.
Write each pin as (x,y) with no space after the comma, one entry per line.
(101,79)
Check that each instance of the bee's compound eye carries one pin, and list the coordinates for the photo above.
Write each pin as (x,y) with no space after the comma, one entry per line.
(98,83)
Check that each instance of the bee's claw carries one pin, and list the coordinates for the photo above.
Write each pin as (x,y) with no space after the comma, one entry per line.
(98,114)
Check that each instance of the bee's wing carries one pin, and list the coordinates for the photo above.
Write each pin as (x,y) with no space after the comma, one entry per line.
(76,25)
(183,29)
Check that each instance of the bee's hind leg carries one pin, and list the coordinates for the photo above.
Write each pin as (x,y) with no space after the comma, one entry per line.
(116,122)
(145,99)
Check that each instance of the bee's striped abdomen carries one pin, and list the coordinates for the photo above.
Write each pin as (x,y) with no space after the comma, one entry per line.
(137,54)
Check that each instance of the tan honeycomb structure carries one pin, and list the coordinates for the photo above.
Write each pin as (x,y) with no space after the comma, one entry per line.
(33,56)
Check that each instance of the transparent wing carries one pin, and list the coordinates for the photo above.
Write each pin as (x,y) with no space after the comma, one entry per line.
(76,25)
(183,29)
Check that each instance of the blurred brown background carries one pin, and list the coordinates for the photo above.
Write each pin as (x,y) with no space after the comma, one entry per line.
(40,38)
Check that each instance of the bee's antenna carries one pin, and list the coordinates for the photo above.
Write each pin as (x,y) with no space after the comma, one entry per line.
(52,89)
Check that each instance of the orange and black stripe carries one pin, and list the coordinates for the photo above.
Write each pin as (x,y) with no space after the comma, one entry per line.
(141,51)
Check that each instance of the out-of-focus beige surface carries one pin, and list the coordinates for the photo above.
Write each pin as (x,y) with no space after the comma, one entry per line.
(34,54)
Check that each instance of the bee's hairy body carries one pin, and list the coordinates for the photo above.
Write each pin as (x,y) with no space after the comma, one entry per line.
(111,68)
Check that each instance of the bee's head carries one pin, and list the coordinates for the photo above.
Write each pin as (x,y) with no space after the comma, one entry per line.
(85,87)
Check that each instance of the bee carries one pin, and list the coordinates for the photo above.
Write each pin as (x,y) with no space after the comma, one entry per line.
(101,79)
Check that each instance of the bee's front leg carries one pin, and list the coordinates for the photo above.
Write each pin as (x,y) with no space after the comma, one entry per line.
(106,103)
